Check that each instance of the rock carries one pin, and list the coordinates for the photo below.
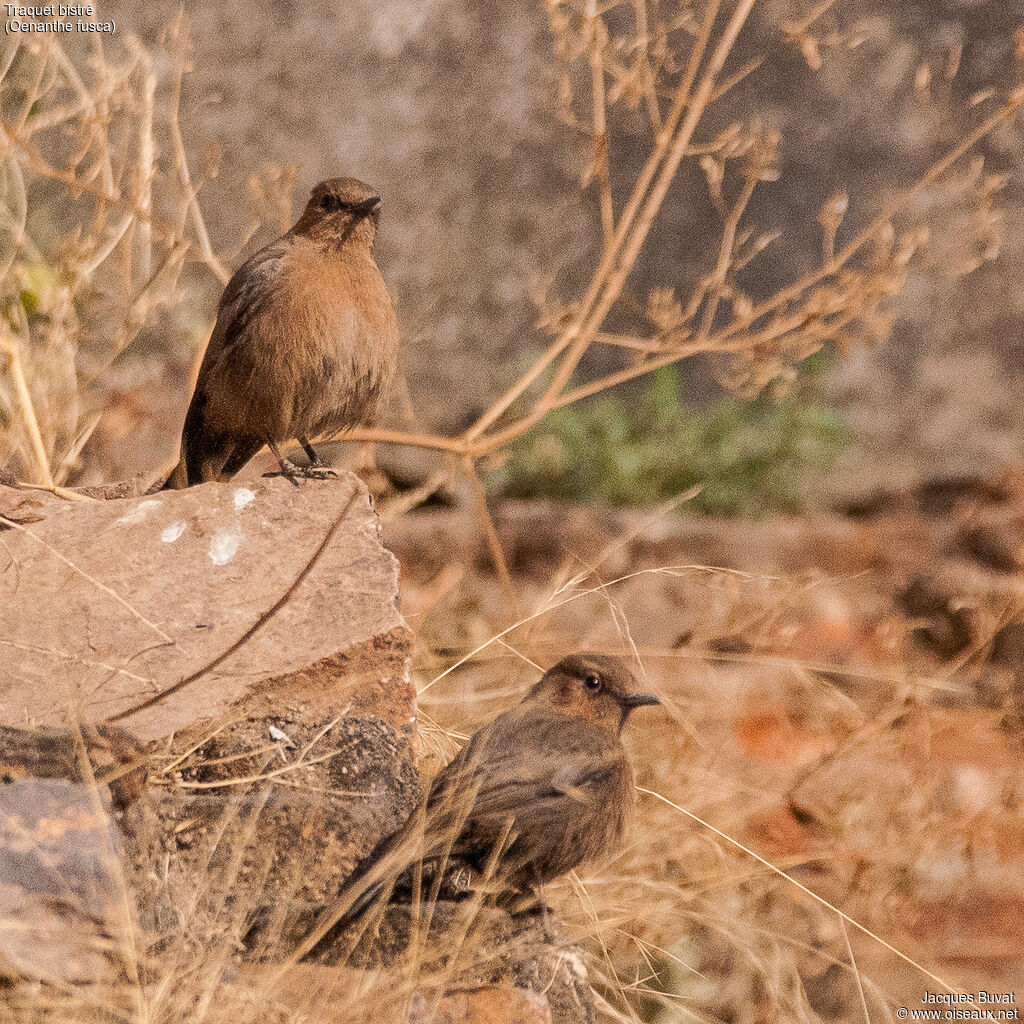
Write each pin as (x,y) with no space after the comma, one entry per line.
(104,754)
(163,611)
(264,822)
(948,621)
(467,948)
(539,537)
(996,540)
(62,883)
(1007,665)
(476,947)
(494,1004)
(64,919)
(252,636)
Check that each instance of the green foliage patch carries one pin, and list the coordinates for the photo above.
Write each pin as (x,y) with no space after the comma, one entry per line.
(750,458)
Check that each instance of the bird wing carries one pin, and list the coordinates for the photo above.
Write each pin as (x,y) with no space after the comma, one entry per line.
(527,771)
(509,784)
(526,753)
(246,298)
(524,771)
(209,440)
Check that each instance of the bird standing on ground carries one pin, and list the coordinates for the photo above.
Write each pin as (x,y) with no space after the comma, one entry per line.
(545,787)
(305,341)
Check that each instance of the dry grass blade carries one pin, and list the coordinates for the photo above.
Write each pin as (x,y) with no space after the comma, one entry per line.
(83,133)
(853,965)
(10,349)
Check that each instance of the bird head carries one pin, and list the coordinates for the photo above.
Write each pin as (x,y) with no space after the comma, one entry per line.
(594,687)
(339,210)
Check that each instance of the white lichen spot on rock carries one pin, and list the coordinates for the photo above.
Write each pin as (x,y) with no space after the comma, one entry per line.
(224,543)
(137,514)
(577,966)
(242,497)
(171,533)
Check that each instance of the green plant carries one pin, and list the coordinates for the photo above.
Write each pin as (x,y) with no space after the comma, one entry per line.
(749,458)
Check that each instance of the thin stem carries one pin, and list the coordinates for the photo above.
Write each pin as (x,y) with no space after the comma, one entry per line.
(490,531)
(457,445)
(10,348)
(725,254)
(662,144)
(600,117)
(887,213)
(666,175)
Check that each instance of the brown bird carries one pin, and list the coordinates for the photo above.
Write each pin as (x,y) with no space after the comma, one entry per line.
(544,788)
(304,343)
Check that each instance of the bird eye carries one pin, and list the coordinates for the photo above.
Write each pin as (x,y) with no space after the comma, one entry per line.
(330,203)
(593,683)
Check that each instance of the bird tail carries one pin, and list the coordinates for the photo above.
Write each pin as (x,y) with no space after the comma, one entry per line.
(371,882)
(178,480)
(363,902)
(426,837)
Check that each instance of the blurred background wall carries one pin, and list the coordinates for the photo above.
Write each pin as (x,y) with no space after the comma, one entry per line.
(449,107)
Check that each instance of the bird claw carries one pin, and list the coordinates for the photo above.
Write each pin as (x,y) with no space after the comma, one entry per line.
(296,473)
(317,473)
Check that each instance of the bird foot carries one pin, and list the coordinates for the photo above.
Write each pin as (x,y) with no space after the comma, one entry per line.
(535,909)
(525,904)
(296,473)
(318,473)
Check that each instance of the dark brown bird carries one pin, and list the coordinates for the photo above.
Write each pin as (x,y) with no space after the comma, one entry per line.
(304,343)
(545,787)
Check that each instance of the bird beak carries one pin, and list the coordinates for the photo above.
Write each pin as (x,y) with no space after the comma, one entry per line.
(638,700)
(367,206)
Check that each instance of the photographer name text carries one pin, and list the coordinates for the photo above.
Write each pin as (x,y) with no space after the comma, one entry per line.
(980,1005)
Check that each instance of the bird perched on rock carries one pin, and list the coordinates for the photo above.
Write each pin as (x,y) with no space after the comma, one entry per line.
(304,344)
(543,788)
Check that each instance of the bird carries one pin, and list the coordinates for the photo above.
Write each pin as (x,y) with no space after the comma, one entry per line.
(304,345)
(545,787)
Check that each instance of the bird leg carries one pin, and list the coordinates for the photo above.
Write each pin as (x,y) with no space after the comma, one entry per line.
(317,471)
(315,462)
(288,469)
(530,904)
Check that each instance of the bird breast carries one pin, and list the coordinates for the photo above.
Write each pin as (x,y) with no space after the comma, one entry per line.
(320,325)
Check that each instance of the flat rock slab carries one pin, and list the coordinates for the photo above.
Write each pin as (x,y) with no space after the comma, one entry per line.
(163,611)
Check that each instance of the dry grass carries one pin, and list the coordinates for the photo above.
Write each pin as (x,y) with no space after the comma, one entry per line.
(692,921)
(713,911)
(95,231)
(723,907)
